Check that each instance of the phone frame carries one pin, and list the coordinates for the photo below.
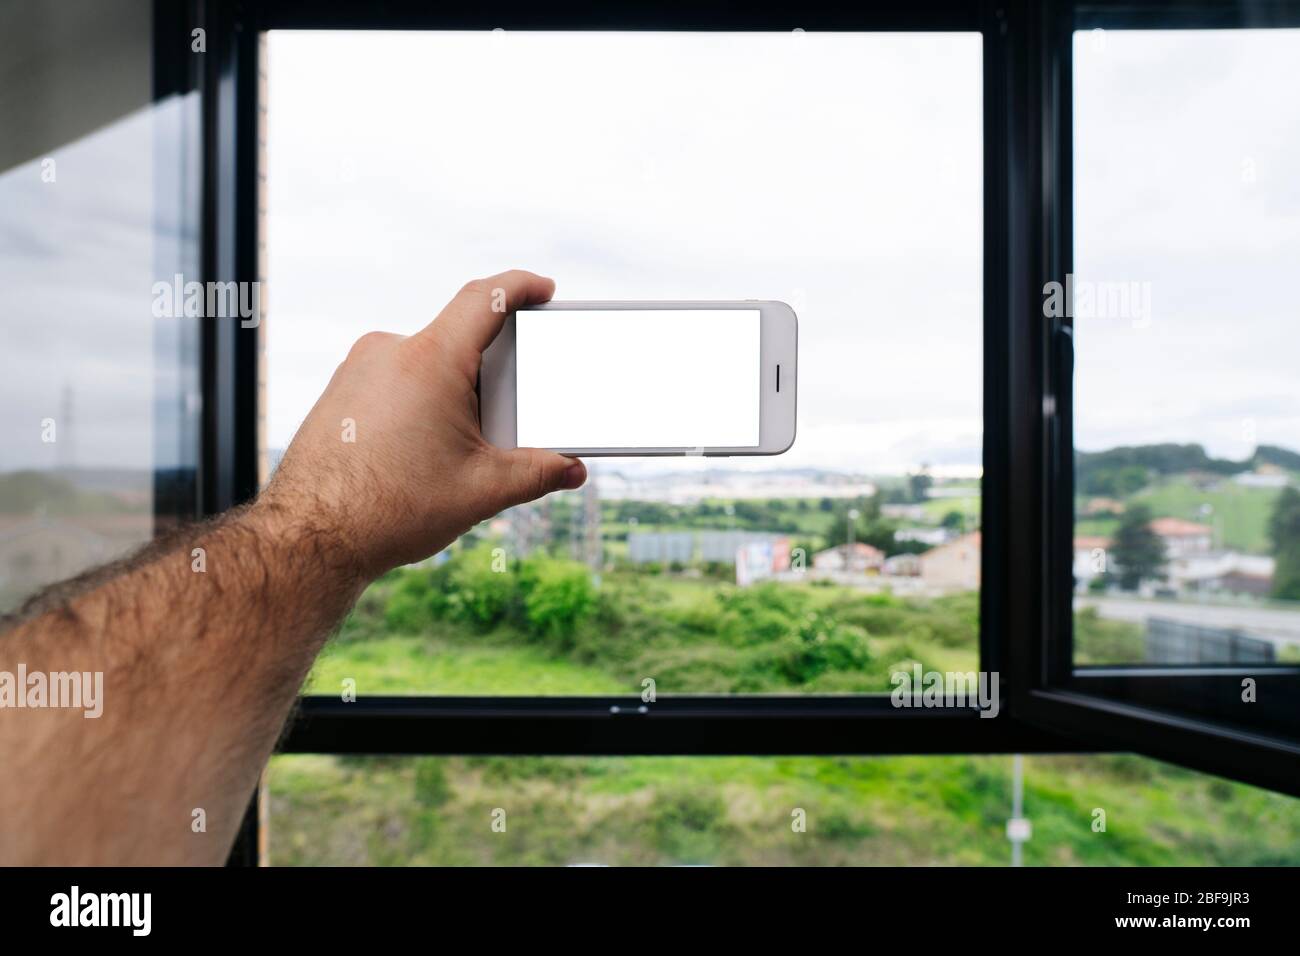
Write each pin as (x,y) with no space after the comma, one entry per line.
(778,379)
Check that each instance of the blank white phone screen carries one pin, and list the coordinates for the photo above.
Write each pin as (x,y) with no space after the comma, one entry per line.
(619,378)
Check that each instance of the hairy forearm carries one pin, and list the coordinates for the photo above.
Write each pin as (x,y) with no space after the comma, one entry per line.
(203,643)
(203,640)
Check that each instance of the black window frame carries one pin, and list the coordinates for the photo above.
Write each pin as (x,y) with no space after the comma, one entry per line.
(1186,714)
(587,725)
(1027,492)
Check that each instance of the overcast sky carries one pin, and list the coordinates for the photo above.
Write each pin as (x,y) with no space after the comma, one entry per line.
(839,173)
(77,334)
(1187,176)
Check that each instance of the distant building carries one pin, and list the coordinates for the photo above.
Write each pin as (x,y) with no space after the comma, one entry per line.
(1103,506)
(1182,538)
(721,546)
(1090,559)
(761,560)
(856,558)
(683,547)
(927,536)
(904,512)
(1263,477)
(662,547)
(953,566)
(1243,582)
(1223,572)
(902,566)
(676,487)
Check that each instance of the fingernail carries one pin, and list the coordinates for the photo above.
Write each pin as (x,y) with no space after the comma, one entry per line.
(575,475)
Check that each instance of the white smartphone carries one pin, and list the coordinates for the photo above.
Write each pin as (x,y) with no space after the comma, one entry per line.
(643,378)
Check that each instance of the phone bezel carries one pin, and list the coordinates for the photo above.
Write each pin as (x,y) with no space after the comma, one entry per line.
(778,346)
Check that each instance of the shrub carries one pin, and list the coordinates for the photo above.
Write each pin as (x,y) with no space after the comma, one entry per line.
(405,614)
(686,825)
(820,646)
(481,586)
(557,596)
(431,786)
(767,612)
(415,598)
(1099,641)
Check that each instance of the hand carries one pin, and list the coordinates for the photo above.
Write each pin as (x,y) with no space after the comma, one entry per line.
(390,464)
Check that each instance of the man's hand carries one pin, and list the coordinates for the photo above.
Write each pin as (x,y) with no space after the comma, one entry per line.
(201,664)
(390,463)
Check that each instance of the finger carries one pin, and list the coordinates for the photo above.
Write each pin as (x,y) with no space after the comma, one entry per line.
(526,474)
(477,313)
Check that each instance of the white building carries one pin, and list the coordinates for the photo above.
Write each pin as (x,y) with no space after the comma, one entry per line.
(858,558)
(902,566)
(1091,559)
(954,566)
(1183,538)
(927,536)
(1223,572)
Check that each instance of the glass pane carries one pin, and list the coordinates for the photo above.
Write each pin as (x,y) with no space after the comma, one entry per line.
(1187,428)
(760,811)
(100,396)
(841,173)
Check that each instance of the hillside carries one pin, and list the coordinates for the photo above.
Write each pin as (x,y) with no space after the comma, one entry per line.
(1117,472)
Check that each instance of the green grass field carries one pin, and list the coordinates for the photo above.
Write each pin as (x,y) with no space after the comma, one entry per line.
(692,636)
(967,505)
(455,630)
(740,811)
(405,664)
(1239,515)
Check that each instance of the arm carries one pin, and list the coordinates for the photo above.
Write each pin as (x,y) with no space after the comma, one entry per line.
(201,668)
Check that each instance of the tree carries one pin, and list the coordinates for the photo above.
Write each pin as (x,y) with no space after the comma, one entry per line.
(1114,482)
(838,531)
(919,484)
(1284,530)
(868,528)
(953,521)
(557,595)
(1137,550)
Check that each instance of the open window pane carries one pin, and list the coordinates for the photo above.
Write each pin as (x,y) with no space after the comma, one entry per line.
(1186,422)
(841,173)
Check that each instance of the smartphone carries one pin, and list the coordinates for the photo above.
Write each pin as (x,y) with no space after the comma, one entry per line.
(643,378)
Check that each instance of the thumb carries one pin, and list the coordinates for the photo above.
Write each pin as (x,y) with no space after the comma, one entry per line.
(525,474)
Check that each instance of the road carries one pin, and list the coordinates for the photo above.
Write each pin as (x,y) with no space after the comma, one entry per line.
(1280,625)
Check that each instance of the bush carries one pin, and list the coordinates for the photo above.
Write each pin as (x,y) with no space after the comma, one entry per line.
(819,647)
(411,598)
(557,596)
(1099,641)
(482,590)
(761,614)
(431,786)
(686,825)
(405,614)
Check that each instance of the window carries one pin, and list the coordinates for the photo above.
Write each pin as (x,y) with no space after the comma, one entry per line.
(1187,229)
(1169,445)
(954,160)
(701,165)
(101,386)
